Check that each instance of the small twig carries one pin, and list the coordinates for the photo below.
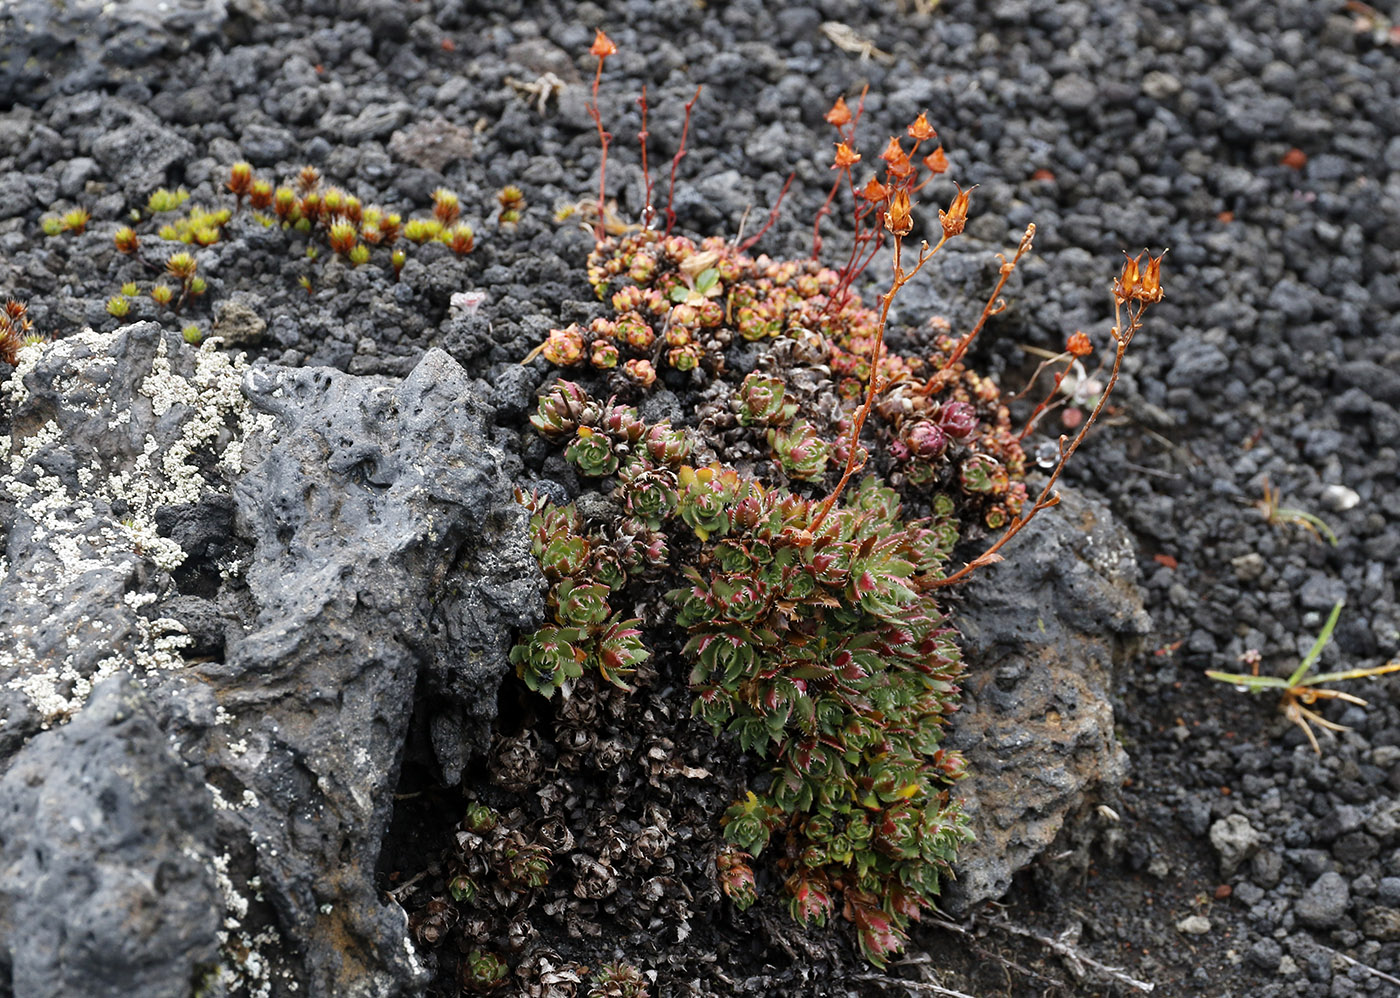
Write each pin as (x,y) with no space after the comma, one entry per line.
(1143,469)
(1357,963)
(602,48)
(1075,956)
(939,923)
(399,891)
(914,987)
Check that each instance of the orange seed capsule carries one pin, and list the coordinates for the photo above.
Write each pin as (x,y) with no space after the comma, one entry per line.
(846,157)
(955,218)
(602,46)
(921,130)
(936,161)
(898,218)
(874,191)
(840,115)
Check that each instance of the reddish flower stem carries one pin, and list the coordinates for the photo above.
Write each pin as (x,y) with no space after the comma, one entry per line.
(825,210)
(901,278)
(995,303)
(1045,402)
(747,244)
(676,161)
(1048,496)
(604,138)
(647,210)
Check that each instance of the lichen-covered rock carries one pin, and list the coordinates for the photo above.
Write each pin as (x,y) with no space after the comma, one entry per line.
(276,560)
(1042,632)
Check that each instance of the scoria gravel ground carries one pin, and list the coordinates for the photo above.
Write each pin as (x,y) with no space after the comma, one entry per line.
(1259,141)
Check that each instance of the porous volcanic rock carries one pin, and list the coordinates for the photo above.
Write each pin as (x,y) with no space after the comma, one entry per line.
(1042,633)
(257,571)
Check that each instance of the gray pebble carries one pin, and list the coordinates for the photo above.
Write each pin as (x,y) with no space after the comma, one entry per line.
(1324,904)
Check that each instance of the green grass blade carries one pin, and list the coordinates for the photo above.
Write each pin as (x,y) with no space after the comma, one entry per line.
(1255,684)
(1321,642)
(1332,677)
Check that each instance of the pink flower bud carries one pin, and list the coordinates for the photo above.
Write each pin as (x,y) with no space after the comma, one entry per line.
(958,419)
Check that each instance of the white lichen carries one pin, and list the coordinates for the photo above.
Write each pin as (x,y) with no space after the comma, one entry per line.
(79,545)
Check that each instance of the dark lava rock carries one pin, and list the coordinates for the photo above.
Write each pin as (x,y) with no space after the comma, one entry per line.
(1035,724)
(371,548)
(1324,904)
(107,862)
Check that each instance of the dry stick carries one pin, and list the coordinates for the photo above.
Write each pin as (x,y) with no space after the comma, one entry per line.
(1048,497)
(676,161)
(858,420)
(913,986)
(647,211)
(1006,962)
(747,244)
(1074,956)
(1357,963)
(995,303)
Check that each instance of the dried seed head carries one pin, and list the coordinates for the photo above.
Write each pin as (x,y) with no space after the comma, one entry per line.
(898,219)
(897,160)
(955,218)
(846,157)
(936,161)
(874,191)
(1150,284)
(1138,281)
(921,130)
(840,115)
(1078,345)
(602,46)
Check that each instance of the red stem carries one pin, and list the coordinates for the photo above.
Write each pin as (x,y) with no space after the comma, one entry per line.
(603,138)
(823,211)
(858,420)
(772,217)
(1040,409)
(1048,496)
(642,136)
(676,161)
(994,303)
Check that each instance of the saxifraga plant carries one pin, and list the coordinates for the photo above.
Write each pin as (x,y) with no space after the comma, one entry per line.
(814,635)
(818,645)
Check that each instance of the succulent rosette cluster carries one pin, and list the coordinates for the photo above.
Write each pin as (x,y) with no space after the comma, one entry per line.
(814,641)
